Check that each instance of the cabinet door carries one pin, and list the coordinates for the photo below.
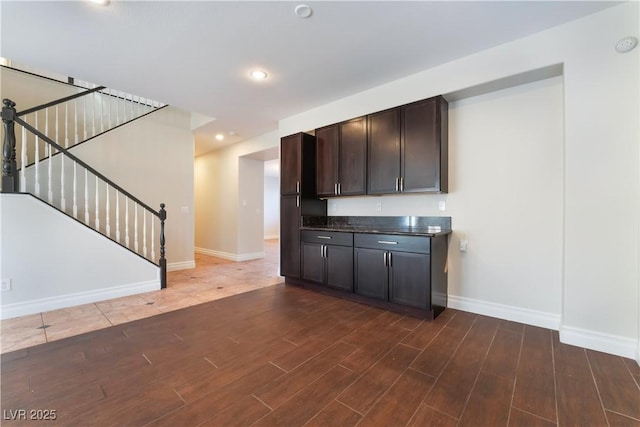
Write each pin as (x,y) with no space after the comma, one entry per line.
(409,282)
(326,160)
(383,167)
(290,236)
(312,262)
(352,162)
(290,164)
(339,264)
(420,146)
(371,273)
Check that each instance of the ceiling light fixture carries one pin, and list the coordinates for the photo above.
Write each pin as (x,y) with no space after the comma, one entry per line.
(258,75)
(303,11)
(101,2)
(626,44)
(219,137)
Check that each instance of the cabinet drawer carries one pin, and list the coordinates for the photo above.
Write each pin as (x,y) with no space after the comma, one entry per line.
(327,237)
(391,242)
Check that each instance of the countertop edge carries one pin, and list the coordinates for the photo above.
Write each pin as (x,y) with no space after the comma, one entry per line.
(423,233)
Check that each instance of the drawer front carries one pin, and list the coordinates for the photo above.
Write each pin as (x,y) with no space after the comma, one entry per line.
(327,237)
(391,242)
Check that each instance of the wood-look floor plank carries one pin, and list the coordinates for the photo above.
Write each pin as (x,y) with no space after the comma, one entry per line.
(311,400)
(520,418)
(399,403)
(283,388)
(424,333)
(489,403)
(364,393)
(535,387)
(335,414)
(438,353)
(618,390)
(619,420)
(429,417)
(503,356)
(244,412)
(452,388)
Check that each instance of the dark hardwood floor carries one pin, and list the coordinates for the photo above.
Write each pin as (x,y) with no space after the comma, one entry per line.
(286,356)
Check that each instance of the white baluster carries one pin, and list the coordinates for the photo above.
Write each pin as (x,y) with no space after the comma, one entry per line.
(75,120)
(37,162)
(66,125)
(49,177)
(117,107)
(144,233)
(101,112)
(75,190)
(93,113)
(57,135)
(117,216)
(84,116)
(126,222)
(97,207)
(86,196)
(23,159)
(131,104)
(46,131)
(63,200)
(124,106)
(109,98)
(107,206)
(135,228)
(153,238)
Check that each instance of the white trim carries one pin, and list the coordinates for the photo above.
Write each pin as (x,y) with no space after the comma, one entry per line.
(230,256)
(607,343)
(70,300)
(183,265)
(507,312)
(271,236)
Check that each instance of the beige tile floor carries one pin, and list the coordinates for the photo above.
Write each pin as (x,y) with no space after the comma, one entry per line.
(213,278)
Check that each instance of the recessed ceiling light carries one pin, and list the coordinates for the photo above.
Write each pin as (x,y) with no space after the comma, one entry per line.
(219,137)
(303,11)
(101,2)
(258,74)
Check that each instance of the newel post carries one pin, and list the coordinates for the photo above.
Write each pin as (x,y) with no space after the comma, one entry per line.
(163,261)
(9,166)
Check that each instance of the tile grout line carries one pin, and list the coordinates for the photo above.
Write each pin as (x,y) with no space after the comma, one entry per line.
(595,383)
(515,377)
(555,380)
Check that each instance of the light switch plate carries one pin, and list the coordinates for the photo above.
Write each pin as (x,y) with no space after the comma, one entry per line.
(6,285)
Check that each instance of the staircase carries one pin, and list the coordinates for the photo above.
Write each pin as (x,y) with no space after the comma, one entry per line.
(38,158)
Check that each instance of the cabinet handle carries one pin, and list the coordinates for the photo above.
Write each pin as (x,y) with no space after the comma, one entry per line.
(387,242)
(335,189)
(385,259)
(297,186)
(389,259)
(297,201)
(339,188)
(397,184)
(324,237)
(325,250)
(401,184)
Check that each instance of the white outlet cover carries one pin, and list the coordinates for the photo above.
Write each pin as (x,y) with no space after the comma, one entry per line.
(6,285)
(442,205)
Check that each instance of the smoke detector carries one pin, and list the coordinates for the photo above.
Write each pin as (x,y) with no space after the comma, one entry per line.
(626,44)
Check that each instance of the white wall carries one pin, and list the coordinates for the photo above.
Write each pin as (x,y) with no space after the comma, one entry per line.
(271,207)
(597,263)
(39,253)
(251,208)
(152,158)
(217,195)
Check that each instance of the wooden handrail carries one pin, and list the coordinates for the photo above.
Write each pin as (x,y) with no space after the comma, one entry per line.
(59,101)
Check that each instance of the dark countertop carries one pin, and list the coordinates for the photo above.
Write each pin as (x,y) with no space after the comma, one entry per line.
(404,231)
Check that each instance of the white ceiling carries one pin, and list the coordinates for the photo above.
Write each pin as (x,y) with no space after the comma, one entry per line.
(197,55)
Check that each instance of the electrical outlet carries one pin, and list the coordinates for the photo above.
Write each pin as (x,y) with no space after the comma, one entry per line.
(379,206)
(442,205)
(6,285)
(464,245)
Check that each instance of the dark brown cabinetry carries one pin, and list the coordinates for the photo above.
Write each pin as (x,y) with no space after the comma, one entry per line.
(342,158)
(408,148)
(327,259)
(297,187)
(394,268)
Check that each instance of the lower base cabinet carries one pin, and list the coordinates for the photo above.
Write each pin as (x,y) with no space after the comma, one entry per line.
(395,270)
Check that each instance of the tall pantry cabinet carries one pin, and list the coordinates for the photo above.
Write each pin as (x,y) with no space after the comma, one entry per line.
(297,197)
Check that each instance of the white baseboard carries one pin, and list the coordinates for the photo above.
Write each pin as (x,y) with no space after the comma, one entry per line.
(230,256)
(70,300)
(507,312)
(606,343)
(183,265)
(271,236)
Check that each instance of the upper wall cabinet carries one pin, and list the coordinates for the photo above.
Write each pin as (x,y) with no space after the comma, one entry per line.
(408,148)
(294,178)
(341,158)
